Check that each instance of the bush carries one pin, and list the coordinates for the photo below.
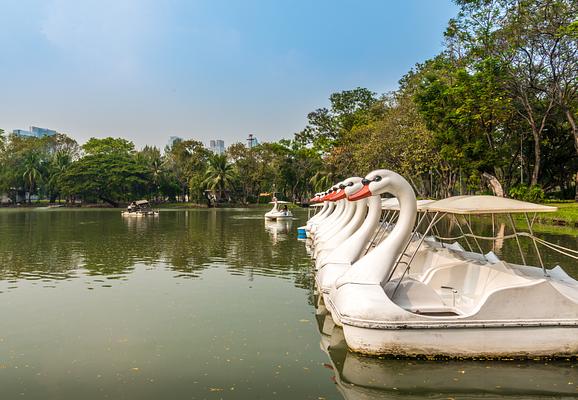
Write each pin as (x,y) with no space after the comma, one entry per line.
(522,192)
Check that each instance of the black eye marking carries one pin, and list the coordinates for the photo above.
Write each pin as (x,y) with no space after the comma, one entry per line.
(350,184)
(377,178)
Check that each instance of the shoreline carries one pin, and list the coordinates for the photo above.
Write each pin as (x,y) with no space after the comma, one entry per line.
(123,206)
(566,216)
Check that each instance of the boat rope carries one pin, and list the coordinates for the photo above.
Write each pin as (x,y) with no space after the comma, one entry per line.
(552,246)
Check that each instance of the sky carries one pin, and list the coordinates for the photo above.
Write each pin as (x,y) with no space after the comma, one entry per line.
(202,69)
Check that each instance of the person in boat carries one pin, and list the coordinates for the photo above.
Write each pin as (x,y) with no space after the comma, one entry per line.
(285,209)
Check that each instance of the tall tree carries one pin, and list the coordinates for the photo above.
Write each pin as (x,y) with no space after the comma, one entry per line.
(220,174)
(32,172)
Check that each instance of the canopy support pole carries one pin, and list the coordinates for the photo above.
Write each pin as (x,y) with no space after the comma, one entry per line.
(468,224)
(407,244)
(437,233)
(463,233)
(493,233)
(517,238)
(433,221)
(535,244)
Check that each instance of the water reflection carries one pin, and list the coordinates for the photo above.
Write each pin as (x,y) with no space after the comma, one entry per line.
(152,268)
(278,229)
(62,244)
(362,377)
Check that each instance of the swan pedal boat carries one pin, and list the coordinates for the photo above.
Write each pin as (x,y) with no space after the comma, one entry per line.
(465,307)
(139,208)
(361,377)
(276,215)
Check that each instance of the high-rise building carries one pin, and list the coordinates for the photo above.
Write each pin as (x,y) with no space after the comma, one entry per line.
(34,132)
(217,146)
(22,133)
(252,141)
(41,132)
(173,140)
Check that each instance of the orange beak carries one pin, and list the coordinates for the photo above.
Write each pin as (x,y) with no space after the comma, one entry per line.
(361,194)
(329,197)
(339,196)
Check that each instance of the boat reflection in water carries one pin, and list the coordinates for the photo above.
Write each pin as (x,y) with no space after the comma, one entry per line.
(362,377)
(278,229)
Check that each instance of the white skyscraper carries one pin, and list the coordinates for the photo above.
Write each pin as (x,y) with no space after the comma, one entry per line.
(217,146)
(252,141)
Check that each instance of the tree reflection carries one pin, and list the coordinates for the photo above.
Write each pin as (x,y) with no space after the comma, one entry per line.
(60,244)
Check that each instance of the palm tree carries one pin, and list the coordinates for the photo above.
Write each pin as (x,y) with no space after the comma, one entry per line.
(220,174)
(322,180)
(32,172)
(58,166)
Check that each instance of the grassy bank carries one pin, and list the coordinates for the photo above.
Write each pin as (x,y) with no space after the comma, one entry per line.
(567,214)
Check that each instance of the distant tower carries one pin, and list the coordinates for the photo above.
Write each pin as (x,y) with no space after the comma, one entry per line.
(252,141)
(174,140)
(35,132)
(217,146)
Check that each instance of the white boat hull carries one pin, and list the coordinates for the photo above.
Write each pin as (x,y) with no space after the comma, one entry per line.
(139,214)
(278,216)
(510,342)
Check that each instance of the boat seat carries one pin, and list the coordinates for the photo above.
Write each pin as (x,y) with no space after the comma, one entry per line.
(424,260)
(466,283)
(417,297)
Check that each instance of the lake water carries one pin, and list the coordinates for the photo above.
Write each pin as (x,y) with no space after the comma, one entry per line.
(200,304)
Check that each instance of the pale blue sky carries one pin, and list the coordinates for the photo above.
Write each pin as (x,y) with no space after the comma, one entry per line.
(209,69)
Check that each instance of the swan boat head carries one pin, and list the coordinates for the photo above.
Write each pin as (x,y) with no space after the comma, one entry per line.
(375,266)
(352,185)
(334,192)
(348,186)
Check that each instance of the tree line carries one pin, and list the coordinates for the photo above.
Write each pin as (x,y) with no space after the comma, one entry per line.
(112,171)
(495,110)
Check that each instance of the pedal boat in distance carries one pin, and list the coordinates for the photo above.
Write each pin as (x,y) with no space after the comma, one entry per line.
(139,208)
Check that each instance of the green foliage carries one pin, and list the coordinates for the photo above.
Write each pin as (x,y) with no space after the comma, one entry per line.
(326,127)
(532,194)
(500,99)
(112,171)
(220,175)
(110,177)
(108,145)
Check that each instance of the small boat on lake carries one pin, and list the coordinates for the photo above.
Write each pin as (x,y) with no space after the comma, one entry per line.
(139,208)
(277,214)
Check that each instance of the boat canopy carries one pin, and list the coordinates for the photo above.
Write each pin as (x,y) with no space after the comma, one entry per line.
(483,204)
(390,203)
(393,204)
(280,202)
(141,202)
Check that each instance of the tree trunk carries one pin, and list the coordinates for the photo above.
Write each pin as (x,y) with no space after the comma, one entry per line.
(574,127)
(109,201)
(494,184)
(576,184)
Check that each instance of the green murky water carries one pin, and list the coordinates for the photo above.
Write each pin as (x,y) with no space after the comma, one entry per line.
(200,304)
